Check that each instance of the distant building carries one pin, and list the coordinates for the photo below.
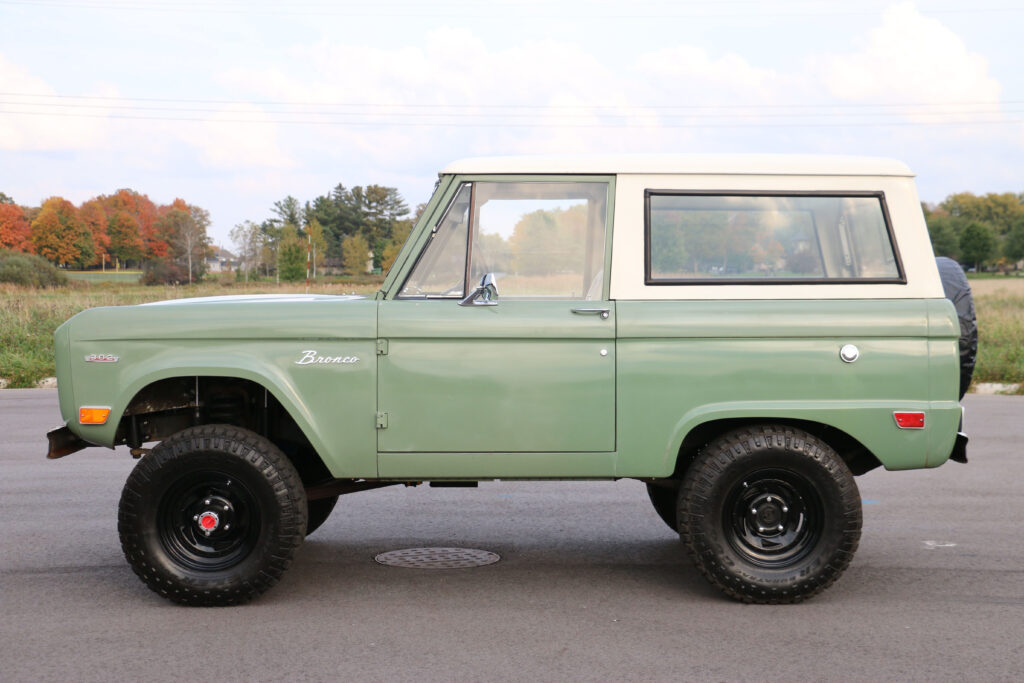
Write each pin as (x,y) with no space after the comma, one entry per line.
(221,261)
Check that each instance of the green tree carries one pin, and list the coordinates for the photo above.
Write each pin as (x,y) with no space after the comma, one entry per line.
(5,198)
(1013,248)
(945,234)
(977,244)
(291,255)
(355,252)
(289,211)
(999,211)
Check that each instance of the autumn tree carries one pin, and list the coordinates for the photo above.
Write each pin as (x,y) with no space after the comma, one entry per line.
(183,227)
(146,214)
(15,231)
(399,237)
(999,211)
(59,235)
(124,242)
(94,217)
(355,251)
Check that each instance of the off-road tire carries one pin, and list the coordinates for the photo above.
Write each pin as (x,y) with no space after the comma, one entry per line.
(219,469)
(785,479)
(319,510)
(665,500)
(958,290)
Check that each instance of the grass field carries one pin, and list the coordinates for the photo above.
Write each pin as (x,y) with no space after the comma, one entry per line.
(28,318)
(91,276)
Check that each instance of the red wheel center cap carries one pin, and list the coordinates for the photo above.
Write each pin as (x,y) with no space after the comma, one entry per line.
(209,521)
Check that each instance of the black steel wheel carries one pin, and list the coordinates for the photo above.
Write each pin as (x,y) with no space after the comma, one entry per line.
(664,499)
(319,510)
(770,514)
(212,516)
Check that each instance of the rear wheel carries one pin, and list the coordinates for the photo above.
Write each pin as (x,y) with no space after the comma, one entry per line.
(212,516)
(770,514)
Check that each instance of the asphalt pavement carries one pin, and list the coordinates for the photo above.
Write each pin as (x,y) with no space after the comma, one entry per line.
(591,584)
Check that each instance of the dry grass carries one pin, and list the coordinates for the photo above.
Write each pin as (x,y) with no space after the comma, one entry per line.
(1000,305)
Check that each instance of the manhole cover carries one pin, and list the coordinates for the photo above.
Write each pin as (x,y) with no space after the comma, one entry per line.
(437,558)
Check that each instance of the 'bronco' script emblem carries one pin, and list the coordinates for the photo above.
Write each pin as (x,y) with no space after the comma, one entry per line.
(310,357)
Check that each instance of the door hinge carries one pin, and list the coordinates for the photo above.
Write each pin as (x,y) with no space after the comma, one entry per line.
(382,347)
(382,420)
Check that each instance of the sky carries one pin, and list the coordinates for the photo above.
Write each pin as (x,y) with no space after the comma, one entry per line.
(234,105)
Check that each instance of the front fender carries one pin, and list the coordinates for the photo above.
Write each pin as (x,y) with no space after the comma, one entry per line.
(333,404)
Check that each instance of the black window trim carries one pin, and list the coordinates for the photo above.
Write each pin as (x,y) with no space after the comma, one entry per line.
(661,282)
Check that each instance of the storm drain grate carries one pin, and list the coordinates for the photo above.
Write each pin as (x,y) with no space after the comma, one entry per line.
(437,558)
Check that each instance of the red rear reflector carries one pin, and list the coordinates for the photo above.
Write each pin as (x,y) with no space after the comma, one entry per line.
(93,416)
(909,420)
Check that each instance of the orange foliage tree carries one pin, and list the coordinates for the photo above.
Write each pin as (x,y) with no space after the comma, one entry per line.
(59,235)
(94,217)
(15,231)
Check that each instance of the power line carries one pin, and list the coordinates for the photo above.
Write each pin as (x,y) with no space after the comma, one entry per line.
(498,124)
(421,105)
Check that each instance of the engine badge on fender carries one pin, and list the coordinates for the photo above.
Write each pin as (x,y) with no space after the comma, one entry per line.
(101,358)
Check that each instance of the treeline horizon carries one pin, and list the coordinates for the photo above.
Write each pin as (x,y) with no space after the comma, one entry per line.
(981,231)
(121,229)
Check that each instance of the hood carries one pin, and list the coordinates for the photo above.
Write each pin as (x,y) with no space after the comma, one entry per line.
(249,317)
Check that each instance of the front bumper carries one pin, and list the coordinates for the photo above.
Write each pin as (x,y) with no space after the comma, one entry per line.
(63,442)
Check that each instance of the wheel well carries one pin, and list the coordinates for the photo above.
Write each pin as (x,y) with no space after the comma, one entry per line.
(858,458)
(169,405)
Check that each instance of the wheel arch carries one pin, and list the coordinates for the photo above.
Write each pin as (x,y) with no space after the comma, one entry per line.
(162,403)
(856,456)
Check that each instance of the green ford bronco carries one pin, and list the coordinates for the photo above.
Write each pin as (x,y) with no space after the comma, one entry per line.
(743,334)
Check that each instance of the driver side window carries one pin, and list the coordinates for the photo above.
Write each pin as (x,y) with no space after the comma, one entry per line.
(541,240)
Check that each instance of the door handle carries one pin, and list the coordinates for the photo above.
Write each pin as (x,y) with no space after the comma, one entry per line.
(603,312)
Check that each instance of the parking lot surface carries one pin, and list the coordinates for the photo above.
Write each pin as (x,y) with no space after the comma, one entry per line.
(591,584)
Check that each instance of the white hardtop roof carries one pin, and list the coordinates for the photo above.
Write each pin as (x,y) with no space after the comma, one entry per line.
(683,164)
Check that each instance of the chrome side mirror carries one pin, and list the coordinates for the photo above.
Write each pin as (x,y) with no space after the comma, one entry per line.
(486,293)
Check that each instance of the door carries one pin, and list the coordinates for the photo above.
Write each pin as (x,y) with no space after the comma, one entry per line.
(529,366)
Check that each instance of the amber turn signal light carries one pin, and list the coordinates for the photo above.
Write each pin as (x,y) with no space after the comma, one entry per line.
(909,420)
(93,416)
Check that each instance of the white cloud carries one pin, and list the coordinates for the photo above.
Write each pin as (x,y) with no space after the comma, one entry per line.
(909,58)
(34,131)
(236,137)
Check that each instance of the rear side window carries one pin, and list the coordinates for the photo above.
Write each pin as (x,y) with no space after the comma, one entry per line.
(720,238)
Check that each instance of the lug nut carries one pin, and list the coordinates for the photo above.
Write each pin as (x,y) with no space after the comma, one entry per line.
(206,502)
(226,527)
(785,509)
(780,527)
(226,507)
(195,518)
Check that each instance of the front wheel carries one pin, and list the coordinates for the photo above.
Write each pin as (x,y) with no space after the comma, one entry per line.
(770,514)
(212,516)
